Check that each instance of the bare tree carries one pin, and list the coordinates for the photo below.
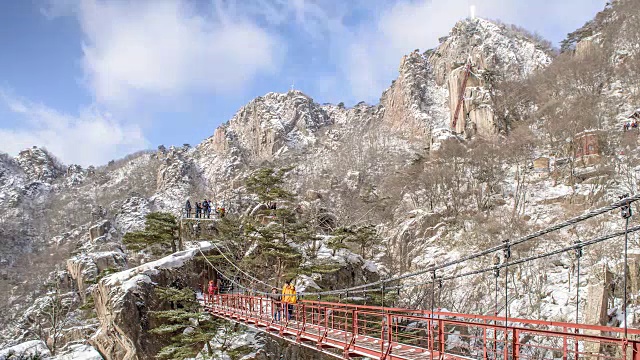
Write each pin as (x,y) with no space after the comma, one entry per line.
(54,316)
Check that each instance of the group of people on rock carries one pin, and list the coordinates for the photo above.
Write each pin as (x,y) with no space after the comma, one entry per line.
(204,209)
(283,302)
(630,125)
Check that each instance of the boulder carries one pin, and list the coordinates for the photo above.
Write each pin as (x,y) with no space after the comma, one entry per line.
(34,347)
(99,230)
(85,268)
(123,301)
(312,195)
(595,310)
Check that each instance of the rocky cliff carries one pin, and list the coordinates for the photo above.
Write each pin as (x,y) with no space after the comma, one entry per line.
(493,49)
(395,164)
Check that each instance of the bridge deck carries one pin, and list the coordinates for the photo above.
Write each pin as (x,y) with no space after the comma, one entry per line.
(343,331)
(321,338)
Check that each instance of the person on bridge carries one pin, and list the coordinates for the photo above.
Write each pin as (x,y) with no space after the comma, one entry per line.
(205,208)
(198,210)
(289,297)
(187,208)
(212,290)
(276,304)
(202,282)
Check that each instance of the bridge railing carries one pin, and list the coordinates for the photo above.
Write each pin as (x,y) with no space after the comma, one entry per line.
(462,335)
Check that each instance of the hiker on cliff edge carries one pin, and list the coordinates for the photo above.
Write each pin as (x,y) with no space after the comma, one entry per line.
(187,208)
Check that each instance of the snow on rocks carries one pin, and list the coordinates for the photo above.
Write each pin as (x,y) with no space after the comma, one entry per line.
(38,347)
(78,352)
(39,165)
(269,124)
(132,214)
(128,279)
(29,348)
(123,300)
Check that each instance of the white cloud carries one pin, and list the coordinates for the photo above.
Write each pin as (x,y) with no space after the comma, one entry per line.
(91,138)
(165,49)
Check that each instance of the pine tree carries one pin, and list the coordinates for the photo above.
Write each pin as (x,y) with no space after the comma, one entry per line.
(338,238)
(272,242)
(363,237)
(191,330)
(159,232)
(277,234)
(268,185)
(273,251)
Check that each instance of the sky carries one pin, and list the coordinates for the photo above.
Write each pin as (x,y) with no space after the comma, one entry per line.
(95,80)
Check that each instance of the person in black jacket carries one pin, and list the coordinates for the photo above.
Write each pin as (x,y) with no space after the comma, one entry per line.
(187,208)
(276,304)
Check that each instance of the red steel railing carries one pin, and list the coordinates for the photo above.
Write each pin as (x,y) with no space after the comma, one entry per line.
(394,333)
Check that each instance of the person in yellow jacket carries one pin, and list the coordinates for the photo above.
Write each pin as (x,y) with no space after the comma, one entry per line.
(289,297)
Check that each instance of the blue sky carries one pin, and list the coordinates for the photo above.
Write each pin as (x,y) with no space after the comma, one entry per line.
(93,80)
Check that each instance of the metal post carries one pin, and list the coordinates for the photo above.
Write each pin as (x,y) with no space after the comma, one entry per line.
(625,212)
(495,313)
(432,344)
(578,256)
(507,256)
(496,273)
(624,300)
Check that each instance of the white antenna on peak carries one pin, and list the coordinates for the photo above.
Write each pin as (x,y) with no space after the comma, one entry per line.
(292,84)
(472,10)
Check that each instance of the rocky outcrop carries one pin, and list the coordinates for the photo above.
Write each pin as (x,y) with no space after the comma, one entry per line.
(39,165)
(132,214)
(414,105)
(12,180)
(101,254)
(270,124)
(175,169)
(503,50)
(99,230)
(123,301)
(86,268)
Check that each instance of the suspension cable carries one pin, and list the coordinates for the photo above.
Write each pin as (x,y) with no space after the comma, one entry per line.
(269,286)
(518,241)
(228,278)
(527,259)
(475,272)
(521,240)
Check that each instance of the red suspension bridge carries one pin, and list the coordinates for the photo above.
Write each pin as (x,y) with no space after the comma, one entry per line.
(344,331)
(347,330)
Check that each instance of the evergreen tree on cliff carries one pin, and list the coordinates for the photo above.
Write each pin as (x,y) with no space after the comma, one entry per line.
(190,330)
(159,234)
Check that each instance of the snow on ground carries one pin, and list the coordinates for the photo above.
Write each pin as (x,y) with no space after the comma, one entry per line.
(79,352)
(246,339)
(129,279)
(343,257)
(304,282)
(34,347)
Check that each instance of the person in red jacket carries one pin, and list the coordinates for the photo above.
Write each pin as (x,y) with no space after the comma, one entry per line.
(212,289)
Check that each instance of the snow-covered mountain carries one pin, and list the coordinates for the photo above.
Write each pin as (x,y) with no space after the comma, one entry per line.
(433,192)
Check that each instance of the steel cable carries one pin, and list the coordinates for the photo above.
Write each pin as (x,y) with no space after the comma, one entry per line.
(518,241)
